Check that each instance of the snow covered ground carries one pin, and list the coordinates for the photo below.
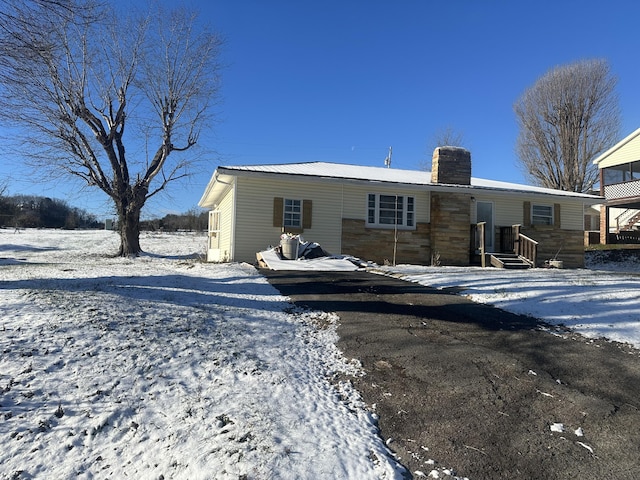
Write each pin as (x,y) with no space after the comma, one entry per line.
(600,301)
(165,367)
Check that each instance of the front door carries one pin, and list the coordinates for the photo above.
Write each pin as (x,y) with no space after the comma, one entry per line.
(484,213)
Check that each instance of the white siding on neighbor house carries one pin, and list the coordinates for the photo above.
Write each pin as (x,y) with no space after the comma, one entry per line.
(355,200)
(629,152)
(254,214)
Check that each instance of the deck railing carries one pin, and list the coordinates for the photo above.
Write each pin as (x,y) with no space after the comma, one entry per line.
(632,237)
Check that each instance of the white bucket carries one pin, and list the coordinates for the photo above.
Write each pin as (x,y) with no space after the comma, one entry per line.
(290,248)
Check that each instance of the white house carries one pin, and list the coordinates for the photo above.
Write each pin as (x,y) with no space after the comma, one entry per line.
(381,213)
(620,185)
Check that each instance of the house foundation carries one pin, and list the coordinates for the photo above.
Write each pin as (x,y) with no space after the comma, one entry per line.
(377,245)
(555,243)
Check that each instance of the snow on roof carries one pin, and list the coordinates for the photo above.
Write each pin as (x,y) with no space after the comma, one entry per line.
(389,175)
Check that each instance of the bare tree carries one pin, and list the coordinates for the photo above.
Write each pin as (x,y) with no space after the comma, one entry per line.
(448,137)
(566,119)
(86,81)
(444,137)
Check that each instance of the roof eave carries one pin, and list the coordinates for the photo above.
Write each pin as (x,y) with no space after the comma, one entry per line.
(617,146)
(228,173)
(216,187)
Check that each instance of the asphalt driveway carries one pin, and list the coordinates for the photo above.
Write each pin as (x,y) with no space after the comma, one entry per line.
(479,390)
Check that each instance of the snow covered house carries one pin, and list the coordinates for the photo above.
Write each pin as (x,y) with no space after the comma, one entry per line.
(620,184)
(388,215)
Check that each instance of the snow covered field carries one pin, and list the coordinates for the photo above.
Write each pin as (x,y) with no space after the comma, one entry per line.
(166,367)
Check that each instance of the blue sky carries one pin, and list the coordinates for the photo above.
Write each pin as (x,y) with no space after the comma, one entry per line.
(342,81)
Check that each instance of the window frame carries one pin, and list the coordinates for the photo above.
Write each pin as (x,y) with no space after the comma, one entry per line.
(289,214)
(214,229)
(405,215)
(623,173)
(537,216)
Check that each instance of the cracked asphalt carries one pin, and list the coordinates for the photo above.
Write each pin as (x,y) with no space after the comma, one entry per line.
(477,389)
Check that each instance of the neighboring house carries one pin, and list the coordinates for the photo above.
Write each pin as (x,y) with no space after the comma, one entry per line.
(387,215)
(592,224)
(620,185)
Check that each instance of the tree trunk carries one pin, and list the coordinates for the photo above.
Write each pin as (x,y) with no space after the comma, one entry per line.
(129,209)
(129,235)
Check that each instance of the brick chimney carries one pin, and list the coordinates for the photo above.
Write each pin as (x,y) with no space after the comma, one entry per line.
(451,165)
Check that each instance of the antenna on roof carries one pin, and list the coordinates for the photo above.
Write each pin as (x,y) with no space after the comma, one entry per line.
(387,161)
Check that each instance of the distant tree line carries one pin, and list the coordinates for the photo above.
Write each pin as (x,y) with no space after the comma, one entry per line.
(27,211)
(192,221)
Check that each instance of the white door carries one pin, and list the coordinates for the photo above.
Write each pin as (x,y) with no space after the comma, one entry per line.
(484,213)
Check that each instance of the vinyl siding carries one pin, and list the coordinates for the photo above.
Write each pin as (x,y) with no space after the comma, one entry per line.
(629,152)
(254,214)
(508,210)
(226,225)
(572,216)
(251,200)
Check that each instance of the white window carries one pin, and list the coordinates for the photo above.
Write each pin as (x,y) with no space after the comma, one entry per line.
(214,230)
(292,213)
(390,210)
(541,215)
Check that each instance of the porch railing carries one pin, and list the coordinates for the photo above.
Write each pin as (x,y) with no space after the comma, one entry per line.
(511,241)
(478,241)
(524,246)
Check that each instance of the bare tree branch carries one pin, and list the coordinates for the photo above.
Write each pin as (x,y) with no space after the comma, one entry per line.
(444,137)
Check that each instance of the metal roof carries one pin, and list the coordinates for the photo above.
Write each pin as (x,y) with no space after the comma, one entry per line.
(390,175)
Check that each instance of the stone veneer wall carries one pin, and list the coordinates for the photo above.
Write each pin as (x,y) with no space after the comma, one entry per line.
(376,244)
(451,227)
(569,243)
